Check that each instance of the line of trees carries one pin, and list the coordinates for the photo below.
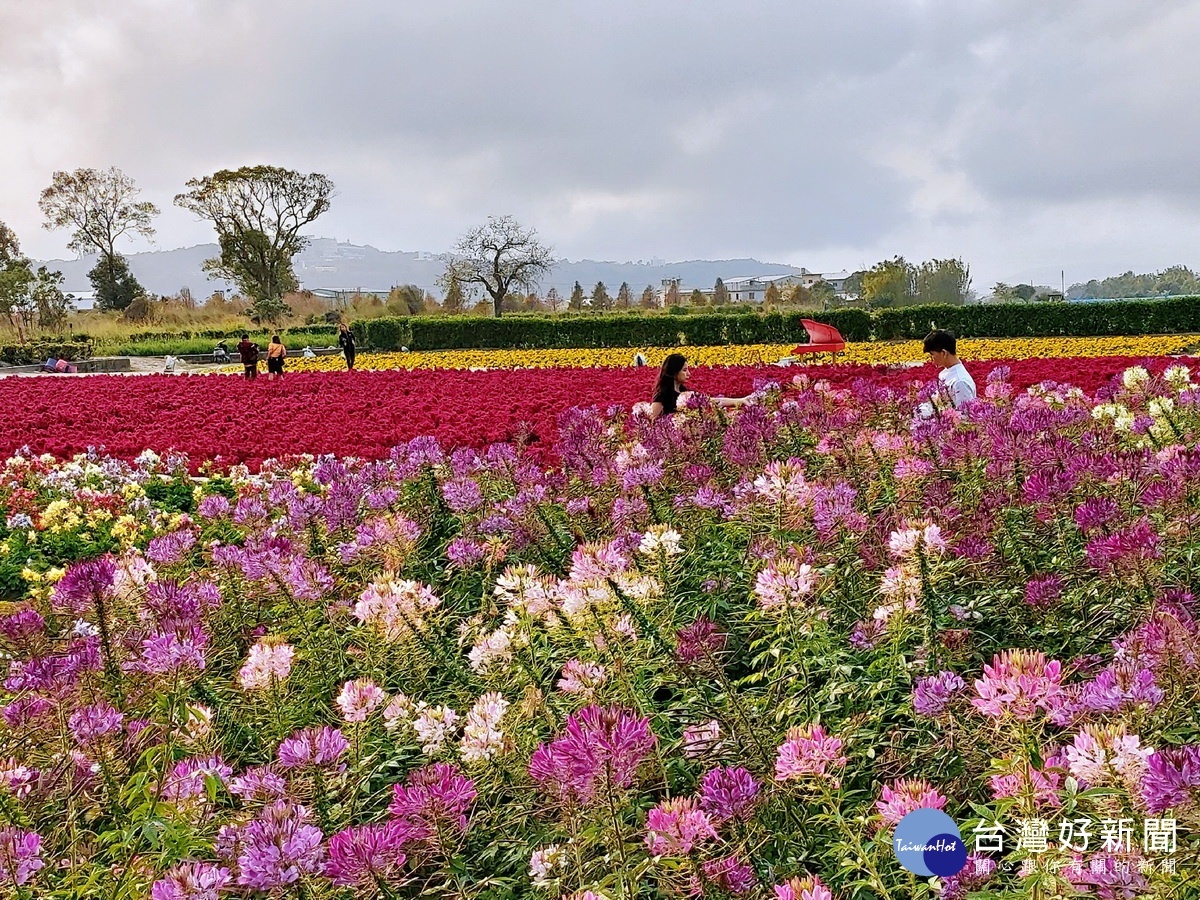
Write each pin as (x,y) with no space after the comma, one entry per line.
(256,211)
(897,282)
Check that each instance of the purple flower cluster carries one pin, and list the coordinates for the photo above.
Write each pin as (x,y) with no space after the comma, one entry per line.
(599,753)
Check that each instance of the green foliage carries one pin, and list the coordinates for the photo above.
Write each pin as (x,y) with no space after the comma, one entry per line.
(1173,281)
(946,281)
(720,294)
(575,304)
(1178,315)
(889,283)
(39,351)
(615,330)
(258,212)
(152,343)
(113,282)
(385,334)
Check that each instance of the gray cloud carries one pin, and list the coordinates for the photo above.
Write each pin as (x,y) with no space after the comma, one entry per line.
(1022,135)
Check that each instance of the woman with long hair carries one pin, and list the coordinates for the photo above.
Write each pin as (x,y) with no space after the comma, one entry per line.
(672,384)
(276,353)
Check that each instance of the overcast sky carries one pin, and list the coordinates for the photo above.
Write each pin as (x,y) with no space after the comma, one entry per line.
(1025,136)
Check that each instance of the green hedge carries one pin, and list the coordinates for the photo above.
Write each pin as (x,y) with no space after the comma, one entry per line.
(39,351)
(226,333)
(610,330)
(1176,315)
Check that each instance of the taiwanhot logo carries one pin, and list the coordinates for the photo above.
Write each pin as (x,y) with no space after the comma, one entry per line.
(927,843)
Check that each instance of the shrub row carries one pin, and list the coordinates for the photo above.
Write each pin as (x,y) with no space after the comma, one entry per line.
(1171,316)
(1175,315)
(612,330)
(225,334)
(40,351)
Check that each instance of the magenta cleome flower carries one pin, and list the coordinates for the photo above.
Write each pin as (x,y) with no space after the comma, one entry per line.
(278,848)
(729,874)
(809,752)
(1172,779)
(322,746)
(91,723)
(84,584)
(699,643)
(809,888)
(933,693)
(729,793)
(677,827)
(600,751)
(359,699)
(903,796)
(1017,684)
(192,881)
(368,855)
(434,800)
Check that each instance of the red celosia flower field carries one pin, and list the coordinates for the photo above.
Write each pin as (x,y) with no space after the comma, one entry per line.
(226,419)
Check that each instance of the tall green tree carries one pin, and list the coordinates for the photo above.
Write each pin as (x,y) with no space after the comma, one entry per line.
(258,212)
(649,299)
(772,296)
(889,283)
(100,208)
(946,281)
(822,293)
(697,298)
(600,298)
(454,301)
(406,300)
(553,299)
(16,277)
(500,256)
(49,301)
(624,296)
(575,303)
(720,294)
(114,283)
(28,297)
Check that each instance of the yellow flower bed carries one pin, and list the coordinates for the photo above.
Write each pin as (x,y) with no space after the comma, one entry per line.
(749,355)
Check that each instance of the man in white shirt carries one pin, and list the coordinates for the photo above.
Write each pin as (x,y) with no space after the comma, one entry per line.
(957,382)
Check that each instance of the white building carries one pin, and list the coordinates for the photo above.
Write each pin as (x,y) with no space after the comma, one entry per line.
(753,288)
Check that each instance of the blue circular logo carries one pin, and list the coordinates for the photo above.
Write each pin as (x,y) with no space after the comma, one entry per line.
(927,842)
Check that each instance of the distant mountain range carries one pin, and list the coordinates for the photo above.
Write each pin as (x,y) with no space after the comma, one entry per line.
(328,263)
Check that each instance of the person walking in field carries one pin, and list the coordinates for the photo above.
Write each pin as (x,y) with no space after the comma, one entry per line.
(248,350)
(346,342)
(276,353)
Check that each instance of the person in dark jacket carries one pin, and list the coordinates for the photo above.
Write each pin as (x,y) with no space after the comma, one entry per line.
(346,342)
(248,350)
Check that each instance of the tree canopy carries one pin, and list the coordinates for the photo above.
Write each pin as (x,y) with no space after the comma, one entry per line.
(499,256)
(258,212)
(100,208)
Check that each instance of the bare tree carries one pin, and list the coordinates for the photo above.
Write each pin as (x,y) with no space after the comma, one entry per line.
(498,256)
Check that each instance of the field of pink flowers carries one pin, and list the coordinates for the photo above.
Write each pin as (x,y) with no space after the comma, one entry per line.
(226,420)
(713,656)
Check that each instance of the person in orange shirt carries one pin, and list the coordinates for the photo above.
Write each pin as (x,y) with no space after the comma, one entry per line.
(276,353)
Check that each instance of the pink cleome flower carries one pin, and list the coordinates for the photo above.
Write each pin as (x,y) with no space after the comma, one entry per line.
(1017,684)
(809,752)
